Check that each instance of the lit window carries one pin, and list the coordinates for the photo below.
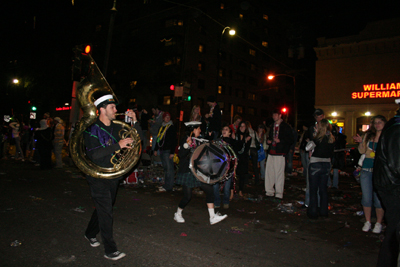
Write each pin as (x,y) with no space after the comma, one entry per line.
(222,6)
(199,66)
(252,52)
(265,43)
(265,17)
(201,48)
(220,72)
(219,89)
(251,97)
(240,16)
(239,109)
(251,111)
(180,23)
(167,100)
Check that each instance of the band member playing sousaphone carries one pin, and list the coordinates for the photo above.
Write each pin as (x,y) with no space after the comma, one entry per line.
(186,178)
(102,140)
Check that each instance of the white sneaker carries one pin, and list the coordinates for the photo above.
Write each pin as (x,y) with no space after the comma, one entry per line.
(217,218)
(367,226)
(377,228)
(178,218)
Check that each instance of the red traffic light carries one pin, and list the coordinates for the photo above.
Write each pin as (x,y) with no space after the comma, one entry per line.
(172,87)
(284,110)
(88,49)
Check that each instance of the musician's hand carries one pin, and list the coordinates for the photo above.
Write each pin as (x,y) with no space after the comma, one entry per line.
(171,156)
(189,141)
(131,114)
(125,143)
(357,138)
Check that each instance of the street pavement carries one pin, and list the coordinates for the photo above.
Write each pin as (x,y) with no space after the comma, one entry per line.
(44,213)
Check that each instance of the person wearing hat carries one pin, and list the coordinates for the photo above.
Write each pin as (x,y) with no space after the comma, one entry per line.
(102,140)
(58,141)
(186,178)
(279,140)
(213,118)
(165,144)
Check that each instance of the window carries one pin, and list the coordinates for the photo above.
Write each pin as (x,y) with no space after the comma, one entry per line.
(167,100)
(222,6)
(252,52)
(221,89)
(239,109)
(251,111)
(241,16)
(200,66)
(201,48)
(251,96)
(221,72)
(265,17)
(239,93)
(169,42)
(201,84)
(172,61)
(173,22)
(253,67)
(264,43)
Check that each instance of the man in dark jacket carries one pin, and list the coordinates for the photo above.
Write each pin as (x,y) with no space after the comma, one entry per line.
(387,182)
(166,143)
(102,140)
(279,140)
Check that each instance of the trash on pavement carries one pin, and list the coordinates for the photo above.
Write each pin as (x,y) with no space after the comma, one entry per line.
(79,209)
(15,243)
(183,234)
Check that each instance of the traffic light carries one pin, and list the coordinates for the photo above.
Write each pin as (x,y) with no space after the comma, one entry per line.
(81,61)
(284,110)
(33,108)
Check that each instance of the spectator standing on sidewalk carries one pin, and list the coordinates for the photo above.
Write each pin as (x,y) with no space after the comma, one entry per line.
(155,125)
(367,146)
(17,139)
(338,160)
(44,137)
(165,144)
(254,153)
(262,137)
(58,141)
(303,153)
(280,139)
(243,146)
(144,125)
(290,154)
(319,169)
(387,182)
(235,125)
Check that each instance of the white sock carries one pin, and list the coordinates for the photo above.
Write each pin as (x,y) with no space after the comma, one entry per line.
(179,211)
(212,213)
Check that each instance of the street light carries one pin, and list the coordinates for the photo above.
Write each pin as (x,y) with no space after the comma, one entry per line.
(231,33)
(15,81)
(271,77)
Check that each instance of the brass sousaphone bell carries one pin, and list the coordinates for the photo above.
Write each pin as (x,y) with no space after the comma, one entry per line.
(124,159)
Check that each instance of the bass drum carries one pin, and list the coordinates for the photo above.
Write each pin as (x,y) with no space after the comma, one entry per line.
(213,162)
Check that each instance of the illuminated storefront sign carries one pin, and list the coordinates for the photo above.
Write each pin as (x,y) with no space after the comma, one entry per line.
(63,108)
(383,90)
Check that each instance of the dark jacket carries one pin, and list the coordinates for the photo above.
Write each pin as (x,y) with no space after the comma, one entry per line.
(169,140)
(387,164)
(323,149)
(285,136)
(215,122)
(101,142)
(184,155)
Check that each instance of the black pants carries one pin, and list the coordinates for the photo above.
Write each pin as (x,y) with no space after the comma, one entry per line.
(390,245)
(187,194)
(254,162)
(104,193)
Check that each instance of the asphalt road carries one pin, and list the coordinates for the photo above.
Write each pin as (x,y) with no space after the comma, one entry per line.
(47,212)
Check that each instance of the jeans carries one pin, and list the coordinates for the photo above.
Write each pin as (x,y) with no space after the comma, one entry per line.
(369,195)
(305,161)
(289,162)
(227,192)
(254,162)
(318,179)
(104,193)
(169,173)
(57,148)
(335,179)
(18,150)
(262,166)
(390,246)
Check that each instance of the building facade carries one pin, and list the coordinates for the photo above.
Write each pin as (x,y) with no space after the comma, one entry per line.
(357,77)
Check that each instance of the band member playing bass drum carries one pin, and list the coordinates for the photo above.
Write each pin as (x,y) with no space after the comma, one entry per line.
(186,178)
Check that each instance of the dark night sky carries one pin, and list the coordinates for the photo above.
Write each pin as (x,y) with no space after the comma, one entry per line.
(44,52)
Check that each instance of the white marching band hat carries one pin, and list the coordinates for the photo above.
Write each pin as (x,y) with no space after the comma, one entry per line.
(104,99)
(192,123)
